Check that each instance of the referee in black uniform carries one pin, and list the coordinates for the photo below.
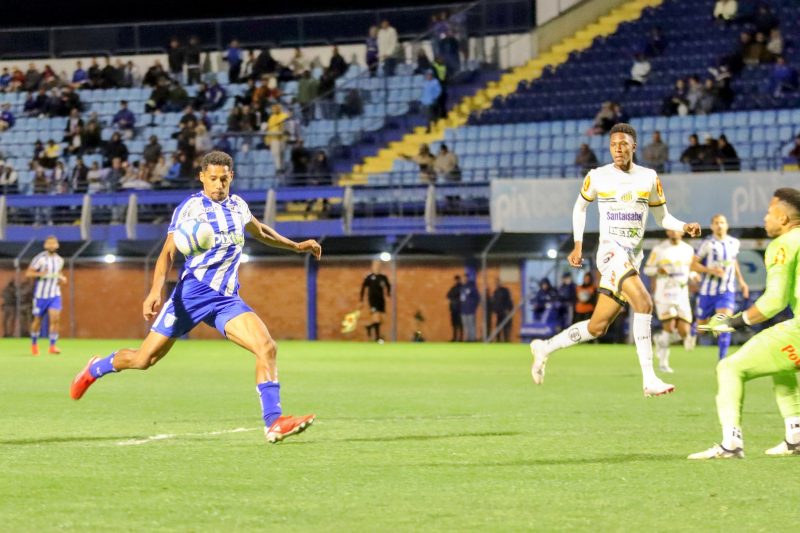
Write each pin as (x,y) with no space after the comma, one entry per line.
(377,287)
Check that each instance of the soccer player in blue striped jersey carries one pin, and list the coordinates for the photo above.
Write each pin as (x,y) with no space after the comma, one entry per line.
(208,291)
(715,259)
(46,270)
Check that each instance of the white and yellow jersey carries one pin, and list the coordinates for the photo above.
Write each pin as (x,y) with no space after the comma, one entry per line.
(623,199)
(676,260)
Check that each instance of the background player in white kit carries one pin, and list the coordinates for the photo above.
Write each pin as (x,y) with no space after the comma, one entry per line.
(46,270)
(669,265)
(625,192)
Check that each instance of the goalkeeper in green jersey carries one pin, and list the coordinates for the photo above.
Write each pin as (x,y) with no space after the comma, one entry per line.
(773,352)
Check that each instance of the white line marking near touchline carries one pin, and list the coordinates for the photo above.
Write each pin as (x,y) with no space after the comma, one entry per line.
(166,436)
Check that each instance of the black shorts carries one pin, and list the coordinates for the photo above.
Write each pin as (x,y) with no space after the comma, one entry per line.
(377,306)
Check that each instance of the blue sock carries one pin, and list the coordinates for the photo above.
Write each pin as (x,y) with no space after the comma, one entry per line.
(724,343)
(53,339)
(103,366)
(34,339)
(693,329)
(270,393)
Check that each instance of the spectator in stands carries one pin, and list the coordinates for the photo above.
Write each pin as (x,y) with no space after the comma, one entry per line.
(60,178)
(426,161)
(338,66)
(372,57)
(470,298)
(442,74)
(115,149)
(266,94)
(94,178)
(694,155)
(725,10)
(112,178)
(301,160)
(709,101)
(95,75)
(233,55)
(325,101)
(131,76)
(124,120)
(42,185)
(423,63)
(783,78)
(307,92)
(275,137)
(450,52)
(52,106)
(155,74)
(656,154)
(152,151)
(640,70)
(38,151)
(159,98)
(79,77)
(175,59)
(319,170)
(247,66)
(265,64)
(215,96)
(446,165)
(51,154)
(200,100)
(353,105)
(387,47)
(202,140)
(17,80)
(298,64)
(694,93)
(795,152)
(75,141)
(546,296)
(431,90)
(585,159)
(438,29)
(187,117)
(91,139)
(656,43)
(727,157)
(49,78)
(9,180)
(586,297)
(79,177)
(756,52)
(7,119)
(191,57)
(605,119)
(676,103)
(775,43)
(567,297)
(5,80)
(207,70)
(32,78)
(160,170)
(110,77)
(501,306)
(132,180)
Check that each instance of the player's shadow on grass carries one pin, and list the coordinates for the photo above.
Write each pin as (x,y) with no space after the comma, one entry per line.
(58,440)
(398,438)
(605,460)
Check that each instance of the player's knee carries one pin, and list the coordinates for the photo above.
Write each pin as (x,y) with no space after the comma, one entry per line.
(268,350)
(643,303)
(726,368)
(598,328)
(142,361)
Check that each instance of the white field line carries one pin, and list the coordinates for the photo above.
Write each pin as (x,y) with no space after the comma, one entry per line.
(166,436)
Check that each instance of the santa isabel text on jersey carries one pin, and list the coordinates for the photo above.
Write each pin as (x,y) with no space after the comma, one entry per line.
(624,199)
(217,267)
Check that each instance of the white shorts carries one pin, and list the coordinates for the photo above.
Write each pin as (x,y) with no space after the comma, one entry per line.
(616,263)
(667,309)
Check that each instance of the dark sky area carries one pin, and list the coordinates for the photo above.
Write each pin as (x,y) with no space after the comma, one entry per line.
(27,13)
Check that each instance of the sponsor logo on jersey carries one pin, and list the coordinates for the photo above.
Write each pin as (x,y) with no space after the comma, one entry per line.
(624,216)
(228,238)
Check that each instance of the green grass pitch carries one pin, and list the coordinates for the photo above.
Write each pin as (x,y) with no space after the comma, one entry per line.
(435,437)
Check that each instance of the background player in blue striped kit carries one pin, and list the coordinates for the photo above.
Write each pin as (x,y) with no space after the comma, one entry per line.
(715,259)
(46,270)
(208,291)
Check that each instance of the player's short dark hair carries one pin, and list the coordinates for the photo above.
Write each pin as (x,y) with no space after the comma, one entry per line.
(622,127)
(216,158)
(789,196)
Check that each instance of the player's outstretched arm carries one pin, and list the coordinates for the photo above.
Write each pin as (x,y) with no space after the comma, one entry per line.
(667,221)
(267,235)
(152,304)
(743,286)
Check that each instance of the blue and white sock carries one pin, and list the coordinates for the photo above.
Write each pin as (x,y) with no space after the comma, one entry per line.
(34,339)
(53,339)
(103,366)
(270,394)
(724,344)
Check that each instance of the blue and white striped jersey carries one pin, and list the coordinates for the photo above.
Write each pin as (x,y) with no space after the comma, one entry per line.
(714,252)
(218,267)
(51,264)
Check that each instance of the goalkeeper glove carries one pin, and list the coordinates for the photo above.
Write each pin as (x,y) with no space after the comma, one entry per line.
(722,323)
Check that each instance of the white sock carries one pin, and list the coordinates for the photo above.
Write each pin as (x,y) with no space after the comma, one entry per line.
(662,347)
(644,345)
(732,438)
(575,334)
(793,429)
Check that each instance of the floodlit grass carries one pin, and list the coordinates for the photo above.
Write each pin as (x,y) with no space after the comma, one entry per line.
(408,437)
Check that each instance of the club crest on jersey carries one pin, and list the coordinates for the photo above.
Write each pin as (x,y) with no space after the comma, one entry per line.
(169,320)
